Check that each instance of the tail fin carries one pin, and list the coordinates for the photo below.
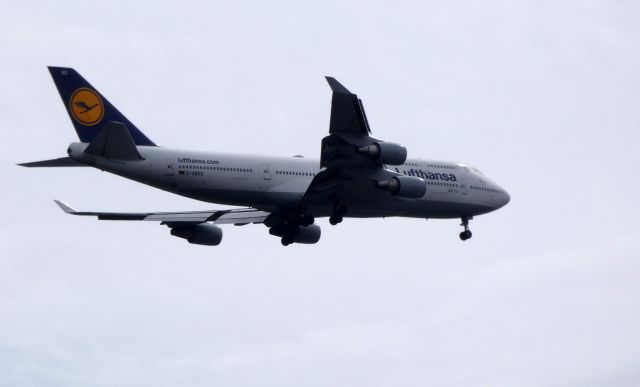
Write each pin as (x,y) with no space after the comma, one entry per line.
(88,109)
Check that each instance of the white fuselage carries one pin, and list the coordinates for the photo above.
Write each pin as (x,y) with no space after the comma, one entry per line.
(268,183)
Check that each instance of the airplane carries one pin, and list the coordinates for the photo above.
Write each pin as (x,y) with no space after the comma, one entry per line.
(356,176)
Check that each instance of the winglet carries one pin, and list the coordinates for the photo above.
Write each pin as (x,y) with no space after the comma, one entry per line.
(65,207)
(336,87)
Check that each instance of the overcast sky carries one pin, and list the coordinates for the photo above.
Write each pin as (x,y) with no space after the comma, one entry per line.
(542,96)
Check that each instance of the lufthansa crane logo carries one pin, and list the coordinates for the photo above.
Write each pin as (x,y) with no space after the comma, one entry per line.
(86,106)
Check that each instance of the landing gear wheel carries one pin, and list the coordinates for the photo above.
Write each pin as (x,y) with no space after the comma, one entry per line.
(465,235)
(286,240)
(307,220)
(335,219)
(339,211)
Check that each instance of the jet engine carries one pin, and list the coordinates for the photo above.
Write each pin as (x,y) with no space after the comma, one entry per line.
(308,234)
(302,234)
(404,186)
(385,152)
(199,234)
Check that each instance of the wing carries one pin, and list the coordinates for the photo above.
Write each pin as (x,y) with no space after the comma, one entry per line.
(349,143)
(347,112)
(237,216)
(351,160)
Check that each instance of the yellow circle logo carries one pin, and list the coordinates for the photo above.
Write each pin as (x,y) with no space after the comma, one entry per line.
(86,106)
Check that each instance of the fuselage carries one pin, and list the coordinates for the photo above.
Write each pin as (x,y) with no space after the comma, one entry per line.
(356,175)
(269,183)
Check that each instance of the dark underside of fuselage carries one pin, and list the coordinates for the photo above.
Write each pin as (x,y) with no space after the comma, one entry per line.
(286,201)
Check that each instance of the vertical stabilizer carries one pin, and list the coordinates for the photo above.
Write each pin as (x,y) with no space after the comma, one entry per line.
(88,109)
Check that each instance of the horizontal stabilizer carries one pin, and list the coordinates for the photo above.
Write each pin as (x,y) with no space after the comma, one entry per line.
(59,162)
(114,142)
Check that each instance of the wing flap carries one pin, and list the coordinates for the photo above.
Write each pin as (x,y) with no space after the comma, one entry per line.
(189,217)
(242,217)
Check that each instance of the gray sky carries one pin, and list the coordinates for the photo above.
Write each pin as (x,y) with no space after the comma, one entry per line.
(542,96)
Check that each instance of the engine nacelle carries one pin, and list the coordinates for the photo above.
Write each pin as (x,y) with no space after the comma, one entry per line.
(404,186)
(303,234)
(385,152)
(308,234)
(199,234)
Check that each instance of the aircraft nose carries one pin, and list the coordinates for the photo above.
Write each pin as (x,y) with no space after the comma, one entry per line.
(504,199)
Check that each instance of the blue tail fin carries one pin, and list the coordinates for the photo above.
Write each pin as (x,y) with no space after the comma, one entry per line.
(88,109)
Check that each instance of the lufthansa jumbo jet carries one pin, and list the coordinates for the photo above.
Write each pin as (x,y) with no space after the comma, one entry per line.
(357,175)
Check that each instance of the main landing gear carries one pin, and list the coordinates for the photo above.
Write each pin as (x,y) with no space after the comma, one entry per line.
(287,239)
(290,228)
(466,234)
(338,212)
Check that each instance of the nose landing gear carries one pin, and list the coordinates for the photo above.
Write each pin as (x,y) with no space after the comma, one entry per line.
(466,234)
